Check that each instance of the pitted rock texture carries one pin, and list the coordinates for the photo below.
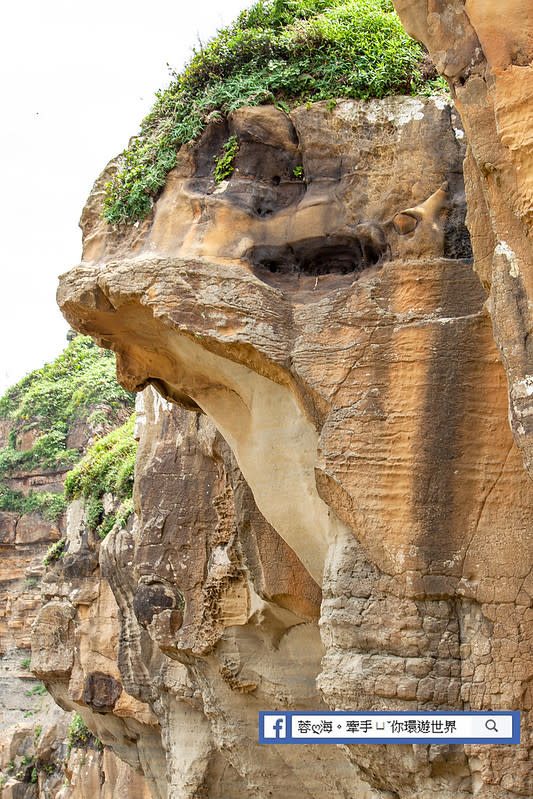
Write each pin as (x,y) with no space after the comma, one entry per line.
(75,654)
(485,50)
(335,333)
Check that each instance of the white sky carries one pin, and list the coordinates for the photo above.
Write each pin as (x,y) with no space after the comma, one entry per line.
(77,79)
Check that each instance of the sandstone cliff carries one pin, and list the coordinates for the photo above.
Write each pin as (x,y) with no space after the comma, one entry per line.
(485,50)
(335,336)
(48,421)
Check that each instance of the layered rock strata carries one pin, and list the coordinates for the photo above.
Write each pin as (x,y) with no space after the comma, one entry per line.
(336,335)
(75,654)
(24,541)
(38,759)
(485,51)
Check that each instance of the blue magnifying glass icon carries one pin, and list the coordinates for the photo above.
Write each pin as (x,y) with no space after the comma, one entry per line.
(490,724)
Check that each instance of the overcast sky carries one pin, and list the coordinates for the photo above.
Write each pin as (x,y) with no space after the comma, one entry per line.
(77,81)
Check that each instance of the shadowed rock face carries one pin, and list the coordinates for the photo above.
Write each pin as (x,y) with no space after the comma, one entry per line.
(334,331)
(74,651)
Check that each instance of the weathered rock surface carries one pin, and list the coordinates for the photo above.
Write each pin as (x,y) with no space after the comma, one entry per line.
(75,654)
(215,609)
(24,540)
(249,637)
(38,762)
(103,776)
(485,50)
(336,335)
(35,759)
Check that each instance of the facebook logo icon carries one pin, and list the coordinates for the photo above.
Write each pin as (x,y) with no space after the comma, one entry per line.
(274,727)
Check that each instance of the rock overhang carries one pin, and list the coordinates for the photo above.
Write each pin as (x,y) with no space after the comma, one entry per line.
(365,406)
(323,306)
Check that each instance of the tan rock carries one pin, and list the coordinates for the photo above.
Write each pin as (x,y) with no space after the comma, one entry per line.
(34,732)
(32,529)
(53,643)
(249,659)
(196,540)
(485,50)
(101,775)
(336,335)
(75,643)
(5,429)
(19,598)
(28,438)
(8,525)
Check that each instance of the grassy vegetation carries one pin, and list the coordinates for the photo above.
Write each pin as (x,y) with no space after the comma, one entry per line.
(49,506)
(80,735)
(37,690)
(44,407)
(284,52)
(55,551)
(224,163)
(49,400)
(107,468)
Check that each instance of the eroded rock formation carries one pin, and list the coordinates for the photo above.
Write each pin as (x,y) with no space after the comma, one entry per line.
(75,653)
(37,758)
(336,335)
(485,50)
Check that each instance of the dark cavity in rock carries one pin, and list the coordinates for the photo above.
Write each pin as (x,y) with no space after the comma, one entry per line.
(101,691)
(332,255)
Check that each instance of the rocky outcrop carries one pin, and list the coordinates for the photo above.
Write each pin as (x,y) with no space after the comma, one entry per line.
(38,757)
(485,50)
(201,580)
(24,710)
(38,760)
(334,332)
(75,653)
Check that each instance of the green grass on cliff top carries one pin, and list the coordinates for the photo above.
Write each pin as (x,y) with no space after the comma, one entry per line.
(107,468)
(80,385)
(284,52)
(51,399)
